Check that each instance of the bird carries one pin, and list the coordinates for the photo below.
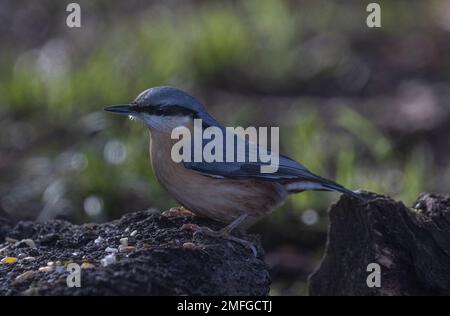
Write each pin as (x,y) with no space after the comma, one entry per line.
(235,193)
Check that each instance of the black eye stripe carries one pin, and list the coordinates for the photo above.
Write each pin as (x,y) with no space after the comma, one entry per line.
(165,111)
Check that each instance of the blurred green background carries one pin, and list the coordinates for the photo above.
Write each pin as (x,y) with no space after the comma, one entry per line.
(369,108)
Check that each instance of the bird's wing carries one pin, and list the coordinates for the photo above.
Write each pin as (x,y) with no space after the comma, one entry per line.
(250,155)
(289,170)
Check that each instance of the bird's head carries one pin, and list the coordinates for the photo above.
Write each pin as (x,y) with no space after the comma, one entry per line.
(164,108)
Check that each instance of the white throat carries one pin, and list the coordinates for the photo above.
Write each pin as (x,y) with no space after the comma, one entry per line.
(164,123)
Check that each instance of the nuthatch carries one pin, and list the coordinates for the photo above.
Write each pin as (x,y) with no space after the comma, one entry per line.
(235,193)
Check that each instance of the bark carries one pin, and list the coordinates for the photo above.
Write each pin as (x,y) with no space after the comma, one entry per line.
(411,246)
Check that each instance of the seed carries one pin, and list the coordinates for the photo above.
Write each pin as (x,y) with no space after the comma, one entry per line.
(24,276)
(133,233)
(87,265)
(9,260)
(29,258)
(124,241)
(189,245)
(45,269)
(126,249)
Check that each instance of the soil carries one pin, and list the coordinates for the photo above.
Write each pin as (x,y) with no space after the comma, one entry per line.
(161,258)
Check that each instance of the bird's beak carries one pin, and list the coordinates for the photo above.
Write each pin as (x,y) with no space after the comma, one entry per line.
(124,109)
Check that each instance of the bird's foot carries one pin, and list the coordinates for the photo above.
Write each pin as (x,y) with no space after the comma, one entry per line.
(223,233)
(177,211)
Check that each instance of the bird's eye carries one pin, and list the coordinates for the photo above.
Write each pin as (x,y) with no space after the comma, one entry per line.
(173,111)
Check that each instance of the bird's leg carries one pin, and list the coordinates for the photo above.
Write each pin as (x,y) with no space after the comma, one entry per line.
(225,232)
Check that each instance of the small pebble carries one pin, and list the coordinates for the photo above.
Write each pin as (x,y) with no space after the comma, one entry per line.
(23,277)
(9,260)
(126,249)
(99,240)
(45,269)
(50,263)
(133,233)
(108,260)
(21,255)
(29,242)
(59,269)
(127,229)
(124,241)
(111,250)
(87,265)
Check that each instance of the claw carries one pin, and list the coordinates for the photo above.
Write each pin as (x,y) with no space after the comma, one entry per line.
(208,232)
(192,227)
(245,243)
(220,234)
(224,233)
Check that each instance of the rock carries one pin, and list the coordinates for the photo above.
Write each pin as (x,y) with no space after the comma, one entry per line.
(111,250)
(27,242)
(108,260)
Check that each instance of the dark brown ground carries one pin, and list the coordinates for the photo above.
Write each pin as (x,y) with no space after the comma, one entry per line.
(161,264)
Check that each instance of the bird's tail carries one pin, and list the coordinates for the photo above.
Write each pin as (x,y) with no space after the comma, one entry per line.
(321,184)
(332,186)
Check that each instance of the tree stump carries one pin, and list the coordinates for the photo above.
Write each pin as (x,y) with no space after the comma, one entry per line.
(162,258)
(410,245)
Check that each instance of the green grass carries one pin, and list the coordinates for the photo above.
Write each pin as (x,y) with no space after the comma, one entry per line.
(191,47)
